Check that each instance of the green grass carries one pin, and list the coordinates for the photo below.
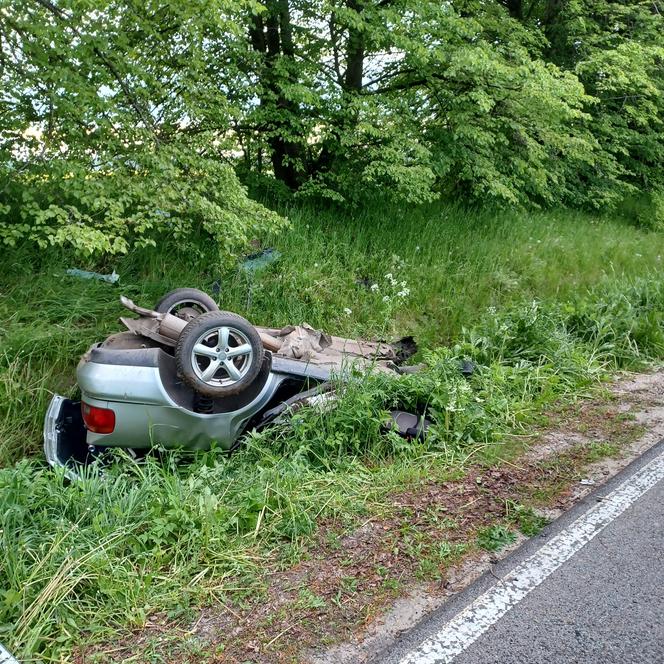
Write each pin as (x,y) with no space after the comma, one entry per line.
(574,297)
(528,521)
(455,263)
(494,538)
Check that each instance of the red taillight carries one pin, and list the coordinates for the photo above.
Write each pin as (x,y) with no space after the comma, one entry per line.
(98,420)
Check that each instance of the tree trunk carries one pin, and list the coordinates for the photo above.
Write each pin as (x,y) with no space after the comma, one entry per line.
(354,53)
(272,38)
(515,9)
(352,82)
(554,31)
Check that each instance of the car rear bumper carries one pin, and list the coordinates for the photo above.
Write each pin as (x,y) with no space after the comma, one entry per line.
(65,435)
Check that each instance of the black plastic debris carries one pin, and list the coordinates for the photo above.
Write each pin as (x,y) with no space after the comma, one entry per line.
(407,425)
(405,348)
(467,368)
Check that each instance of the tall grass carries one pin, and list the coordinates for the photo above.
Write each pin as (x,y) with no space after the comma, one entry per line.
(455,263)
(544,306)
(84,561)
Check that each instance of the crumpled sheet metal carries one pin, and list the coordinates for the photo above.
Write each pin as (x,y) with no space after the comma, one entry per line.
(304,343)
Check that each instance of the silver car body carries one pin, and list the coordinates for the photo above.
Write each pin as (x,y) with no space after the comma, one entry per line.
(147,414)
(137,380)
(153,407)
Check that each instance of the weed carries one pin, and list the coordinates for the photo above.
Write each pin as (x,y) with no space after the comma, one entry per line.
(309,600)
(596,451)
(494,538)
(525,518)
(427,569)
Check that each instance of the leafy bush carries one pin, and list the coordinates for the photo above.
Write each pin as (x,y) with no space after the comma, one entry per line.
(111,136)
(171,194)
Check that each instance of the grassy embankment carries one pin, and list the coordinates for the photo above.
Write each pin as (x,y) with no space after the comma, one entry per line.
(575,297)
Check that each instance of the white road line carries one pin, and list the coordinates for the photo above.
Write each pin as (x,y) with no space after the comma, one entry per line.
(469,624)
(6,657)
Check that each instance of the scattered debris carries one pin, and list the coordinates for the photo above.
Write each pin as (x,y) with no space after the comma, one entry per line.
(467,368)
(112,278)
(365,282)
(259,260)
(405,348)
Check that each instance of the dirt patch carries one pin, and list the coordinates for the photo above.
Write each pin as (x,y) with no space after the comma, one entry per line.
(366,587)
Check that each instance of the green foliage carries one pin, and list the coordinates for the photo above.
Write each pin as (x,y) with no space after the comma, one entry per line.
(514,103)
(122,122)
(89,559)
(95,147)
(615,50)
(173,195)
(144,538)
(455,264)
(531,353)
(654,218)
(494,538)
(529,522)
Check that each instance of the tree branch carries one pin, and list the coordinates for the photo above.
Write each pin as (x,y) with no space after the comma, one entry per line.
(144,115)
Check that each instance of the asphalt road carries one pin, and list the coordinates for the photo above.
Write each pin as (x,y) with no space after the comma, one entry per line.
(589,590)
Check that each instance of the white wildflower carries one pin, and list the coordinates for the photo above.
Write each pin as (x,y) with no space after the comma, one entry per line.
(348,311)
(374,288)
(386,298)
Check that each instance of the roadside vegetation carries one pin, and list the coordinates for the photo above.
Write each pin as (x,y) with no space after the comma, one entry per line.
(487,177)
(545,305)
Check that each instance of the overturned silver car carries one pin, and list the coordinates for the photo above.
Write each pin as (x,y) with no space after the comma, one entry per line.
(186,374)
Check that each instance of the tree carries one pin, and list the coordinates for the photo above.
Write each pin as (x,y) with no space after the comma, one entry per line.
(95,147)
(615,49)
(408,99)
(124,121)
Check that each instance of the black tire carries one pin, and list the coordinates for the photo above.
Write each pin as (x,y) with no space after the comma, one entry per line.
(186,303)
(204,331)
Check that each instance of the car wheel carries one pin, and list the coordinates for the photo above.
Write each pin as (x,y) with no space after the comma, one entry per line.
(219,354)
(186,303)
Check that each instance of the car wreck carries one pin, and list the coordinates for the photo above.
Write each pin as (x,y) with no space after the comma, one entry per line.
(186,375)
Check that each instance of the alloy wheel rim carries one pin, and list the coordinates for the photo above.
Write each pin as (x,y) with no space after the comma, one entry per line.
(222,357)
